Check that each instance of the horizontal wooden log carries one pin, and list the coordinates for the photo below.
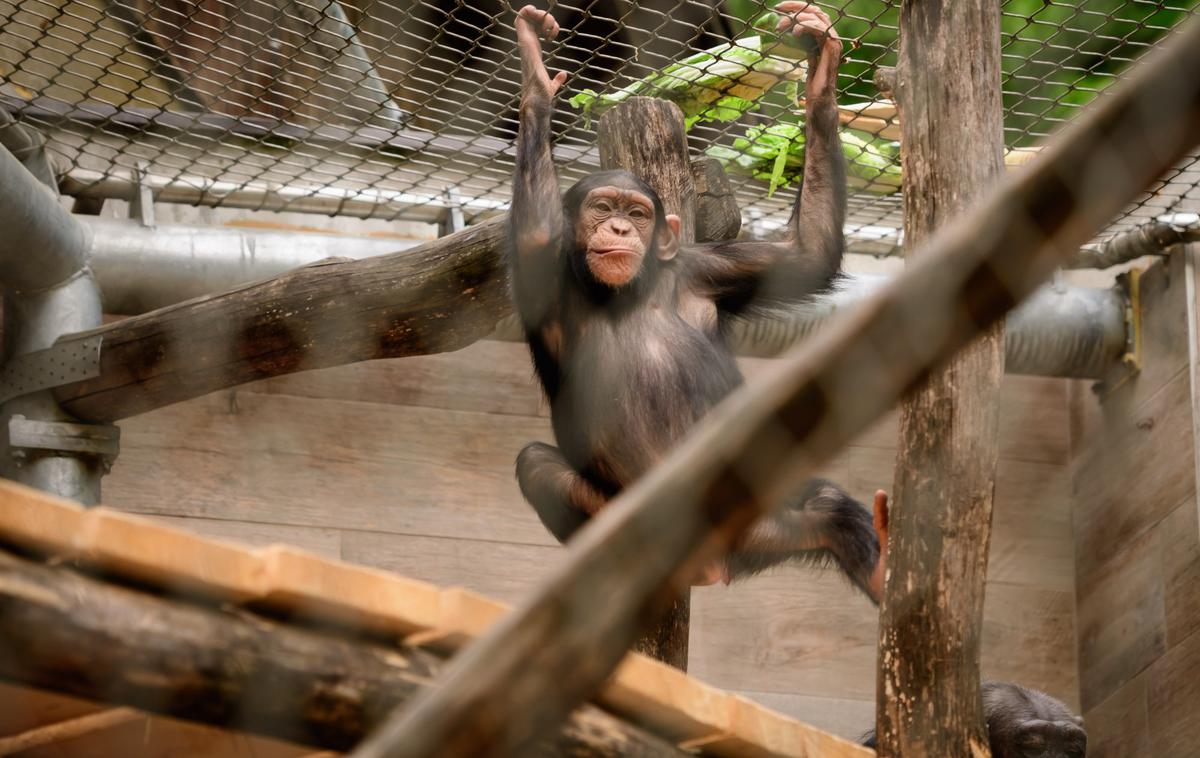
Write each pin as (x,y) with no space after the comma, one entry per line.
(69,633)
(434,298)
(758,446)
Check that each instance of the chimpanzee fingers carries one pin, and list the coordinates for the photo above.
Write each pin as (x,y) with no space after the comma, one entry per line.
(539,20)
(881,515)
(790,6)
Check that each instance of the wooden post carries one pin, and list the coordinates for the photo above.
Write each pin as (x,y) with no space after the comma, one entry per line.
(646,136)
(932,616)
(68,633)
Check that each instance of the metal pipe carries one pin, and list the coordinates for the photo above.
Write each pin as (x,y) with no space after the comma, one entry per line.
(1073,332)
(49,292)
(140,269)
(35,321)
(42,244)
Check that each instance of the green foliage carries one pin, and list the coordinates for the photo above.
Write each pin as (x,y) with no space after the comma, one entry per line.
(1057,55)
(775,154)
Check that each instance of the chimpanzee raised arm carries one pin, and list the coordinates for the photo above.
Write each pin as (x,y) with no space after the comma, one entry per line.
(758,274)
(536,218)
(623,322)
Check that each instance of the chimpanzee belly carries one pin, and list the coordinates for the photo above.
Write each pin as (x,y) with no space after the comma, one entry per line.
(632,389)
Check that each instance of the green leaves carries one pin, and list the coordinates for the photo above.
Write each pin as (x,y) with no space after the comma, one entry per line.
(719,84)
(775,154)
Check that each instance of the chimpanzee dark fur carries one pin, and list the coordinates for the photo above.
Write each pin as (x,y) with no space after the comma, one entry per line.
(628,328)
(1026,723)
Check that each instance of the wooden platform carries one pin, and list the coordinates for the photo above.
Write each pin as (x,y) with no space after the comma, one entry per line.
(664,700)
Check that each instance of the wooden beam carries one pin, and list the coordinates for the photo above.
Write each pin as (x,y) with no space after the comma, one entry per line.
(931,622)
(72,634)
(532,668)
(434,298)
(647,136)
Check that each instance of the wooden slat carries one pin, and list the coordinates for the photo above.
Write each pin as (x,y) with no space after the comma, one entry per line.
(500,570)
(1172,692)
(1139,469)
(59,731)
(1181,571)
(489,376)
(845,718)
(324,542)
(353,595)
(1119,726)
(140,549)
(280,459)
(22,708)
(1121,618)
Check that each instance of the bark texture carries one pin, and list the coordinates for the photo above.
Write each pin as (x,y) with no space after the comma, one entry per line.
(69,633)
(948,92)
(646,136)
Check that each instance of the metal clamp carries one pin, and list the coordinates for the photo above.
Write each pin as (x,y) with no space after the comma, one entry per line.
(27,436)
(63,363)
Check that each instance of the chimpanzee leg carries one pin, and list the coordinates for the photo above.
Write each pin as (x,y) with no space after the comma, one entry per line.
(821,522)
(562,498)
(854,536)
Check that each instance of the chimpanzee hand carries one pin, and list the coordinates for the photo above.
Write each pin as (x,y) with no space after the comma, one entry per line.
(532,24)
(807,19)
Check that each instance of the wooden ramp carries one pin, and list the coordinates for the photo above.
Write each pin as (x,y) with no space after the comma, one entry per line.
(661,699)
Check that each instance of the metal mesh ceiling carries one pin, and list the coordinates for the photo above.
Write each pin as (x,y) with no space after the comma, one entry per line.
(394,110)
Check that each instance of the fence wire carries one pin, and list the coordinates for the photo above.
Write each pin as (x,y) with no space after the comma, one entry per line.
(399,110)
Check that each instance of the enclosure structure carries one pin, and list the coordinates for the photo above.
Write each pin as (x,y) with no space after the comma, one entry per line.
(448,447)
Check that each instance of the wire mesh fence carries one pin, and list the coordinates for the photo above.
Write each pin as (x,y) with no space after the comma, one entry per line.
(398,110)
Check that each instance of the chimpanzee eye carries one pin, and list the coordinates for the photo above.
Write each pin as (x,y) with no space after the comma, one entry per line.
(638,213)
(603,207)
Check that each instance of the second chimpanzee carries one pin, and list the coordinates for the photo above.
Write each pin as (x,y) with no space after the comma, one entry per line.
(627,327)
(1026,723)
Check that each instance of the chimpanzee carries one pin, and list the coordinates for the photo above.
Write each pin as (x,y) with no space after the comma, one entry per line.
(1026,723)
(628,328)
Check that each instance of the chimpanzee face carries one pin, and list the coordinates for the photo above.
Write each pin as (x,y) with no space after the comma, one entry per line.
(1047,739)
(615,232)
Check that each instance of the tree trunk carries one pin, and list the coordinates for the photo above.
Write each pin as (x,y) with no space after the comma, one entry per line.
(932,616)
(646,136)
(68,633)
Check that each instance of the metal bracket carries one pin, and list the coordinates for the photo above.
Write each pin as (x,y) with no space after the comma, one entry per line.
(1130,364)
(27,435)
(141,204)
(64,363)
(452,219)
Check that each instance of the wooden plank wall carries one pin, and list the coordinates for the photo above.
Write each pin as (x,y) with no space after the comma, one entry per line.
(1137,543)
(408,465)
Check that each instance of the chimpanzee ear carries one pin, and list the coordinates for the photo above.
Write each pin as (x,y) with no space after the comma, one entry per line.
(668,238)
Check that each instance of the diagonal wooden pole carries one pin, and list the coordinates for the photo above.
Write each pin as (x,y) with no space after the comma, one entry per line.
(527,674)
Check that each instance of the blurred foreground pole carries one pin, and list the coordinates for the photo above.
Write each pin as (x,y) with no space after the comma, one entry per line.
(646,136)
(524,676)
(928,700)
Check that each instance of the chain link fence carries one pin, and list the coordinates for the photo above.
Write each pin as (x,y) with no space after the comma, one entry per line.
(398,110)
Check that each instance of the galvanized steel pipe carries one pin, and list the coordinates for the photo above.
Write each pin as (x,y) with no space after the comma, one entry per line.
(1073,332)
(142,268)
(41,244)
